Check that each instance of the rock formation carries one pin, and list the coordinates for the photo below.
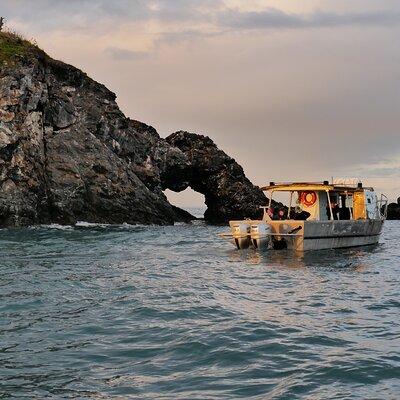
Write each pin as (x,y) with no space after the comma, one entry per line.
(393,211)
(67,153)
(228,193)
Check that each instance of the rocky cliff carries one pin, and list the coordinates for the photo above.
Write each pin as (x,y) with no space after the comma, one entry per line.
(67,153)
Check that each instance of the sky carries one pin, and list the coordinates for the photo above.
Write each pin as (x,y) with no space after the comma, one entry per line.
(293,90)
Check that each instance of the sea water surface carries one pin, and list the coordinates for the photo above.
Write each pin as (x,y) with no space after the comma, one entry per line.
(99,312)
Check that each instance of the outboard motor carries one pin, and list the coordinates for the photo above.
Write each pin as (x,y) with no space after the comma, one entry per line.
(279,243)
(259,234)
(241,235)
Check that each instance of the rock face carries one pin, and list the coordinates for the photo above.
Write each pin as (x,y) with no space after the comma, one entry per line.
(228,193)
(67,153)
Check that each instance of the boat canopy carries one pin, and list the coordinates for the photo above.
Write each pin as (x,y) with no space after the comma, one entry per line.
(312,186)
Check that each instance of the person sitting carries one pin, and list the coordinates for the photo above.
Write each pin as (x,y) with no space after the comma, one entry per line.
(273,213)
(281,214)
(301,215)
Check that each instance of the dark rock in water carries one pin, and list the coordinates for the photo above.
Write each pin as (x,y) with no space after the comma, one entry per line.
(393,211)
(228,193)
(67,153)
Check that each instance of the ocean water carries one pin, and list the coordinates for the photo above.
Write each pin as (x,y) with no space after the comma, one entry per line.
(99,312)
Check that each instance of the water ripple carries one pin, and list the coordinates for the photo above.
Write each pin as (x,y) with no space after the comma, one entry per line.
(99,312)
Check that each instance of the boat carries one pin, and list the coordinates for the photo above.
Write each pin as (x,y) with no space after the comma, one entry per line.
(320,215)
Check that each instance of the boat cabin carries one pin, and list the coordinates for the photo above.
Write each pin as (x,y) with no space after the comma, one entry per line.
(322,202)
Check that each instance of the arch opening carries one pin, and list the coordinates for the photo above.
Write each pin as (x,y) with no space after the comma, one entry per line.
(189,200)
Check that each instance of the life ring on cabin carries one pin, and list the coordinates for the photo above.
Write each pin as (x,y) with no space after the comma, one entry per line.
(308,198)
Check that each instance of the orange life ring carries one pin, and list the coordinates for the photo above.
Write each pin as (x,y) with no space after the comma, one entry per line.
(308,198)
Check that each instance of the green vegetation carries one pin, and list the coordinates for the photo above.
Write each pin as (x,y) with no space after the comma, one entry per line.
(14,47)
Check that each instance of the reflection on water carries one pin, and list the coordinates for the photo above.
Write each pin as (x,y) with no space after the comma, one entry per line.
(337,258)
(175,312)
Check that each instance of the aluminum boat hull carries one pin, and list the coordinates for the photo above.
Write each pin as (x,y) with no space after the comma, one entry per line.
(318,235)
(338,234)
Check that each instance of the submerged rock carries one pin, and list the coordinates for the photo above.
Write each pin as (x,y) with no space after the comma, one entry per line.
(67,153)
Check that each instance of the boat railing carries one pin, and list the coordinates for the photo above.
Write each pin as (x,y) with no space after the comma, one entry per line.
(265,216)
(383,206)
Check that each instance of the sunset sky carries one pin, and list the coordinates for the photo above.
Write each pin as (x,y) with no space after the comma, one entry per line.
(293,90)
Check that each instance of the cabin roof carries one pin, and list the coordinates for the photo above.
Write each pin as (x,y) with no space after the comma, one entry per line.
(312,186)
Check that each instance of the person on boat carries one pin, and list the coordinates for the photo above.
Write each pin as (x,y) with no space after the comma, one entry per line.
(335,210)
(344,211)
(281,214)
(300,215)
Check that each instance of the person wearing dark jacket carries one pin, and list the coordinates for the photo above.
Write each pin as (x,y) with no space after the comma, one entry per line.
(335,210)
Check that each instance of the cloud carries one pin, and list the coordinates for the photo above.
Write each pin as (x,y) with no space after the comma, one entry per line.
(277,19)
(184,10)
(213,14)
(384,175)
(184,36)
(385,168)
(60,15)
(119,53)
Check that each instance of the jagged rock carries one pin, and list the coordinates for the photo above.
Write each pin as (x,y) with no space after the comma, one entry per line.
(228,193)
(67,153)
(6,116)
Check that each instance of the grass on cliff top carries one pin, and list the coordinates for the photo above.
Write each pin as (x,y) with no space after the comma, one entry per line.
(14,47)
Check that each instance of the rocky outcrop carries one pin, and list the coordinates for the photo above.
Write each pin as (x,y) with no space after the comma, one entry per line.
(393,211)
(228,193)
(67,153)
